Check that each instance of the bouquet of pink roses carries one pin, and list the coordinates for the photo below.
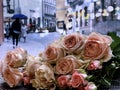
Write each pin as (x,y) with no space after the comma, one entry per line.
(73,62)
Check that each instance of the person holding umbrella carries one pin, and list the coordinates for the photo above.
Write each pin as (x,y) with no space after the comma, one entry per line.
(16,31)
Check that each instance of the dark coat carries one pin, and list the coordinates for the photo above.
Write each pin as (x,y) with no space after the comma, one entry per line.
(16,25)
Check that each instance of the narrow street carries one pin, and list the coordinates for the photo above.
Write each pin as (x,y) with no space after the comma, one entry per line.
(35,43)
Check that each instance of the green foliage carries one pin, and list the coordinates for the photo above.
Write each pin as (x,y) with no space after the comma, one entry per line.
(116,41)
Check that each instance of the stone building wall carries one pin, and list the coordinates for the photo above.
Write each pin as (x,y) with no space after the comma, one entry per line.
(60,10)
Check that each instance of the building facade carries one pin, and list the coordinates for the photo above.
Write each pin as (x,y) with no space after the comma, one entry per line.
(40,13)
(49,14)
(61,14)
(89,14)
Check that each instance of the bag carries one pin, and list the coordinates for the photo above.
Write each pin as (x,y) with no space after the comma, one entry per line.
(17,32)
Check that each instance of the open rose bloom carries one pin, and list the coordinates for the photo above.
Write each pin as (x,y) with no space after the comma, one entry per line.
(52,53)
(67,65)
(73,43)
(97,47)
(16,57)
(44,77)
(12,76)
(63,64)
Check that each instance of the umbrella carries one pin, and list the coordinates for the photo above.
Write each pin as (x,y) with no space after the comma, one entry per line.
(20,16)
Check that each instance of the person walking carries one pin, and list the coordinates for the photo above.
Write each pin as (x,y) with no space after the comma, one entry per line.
(64,28)
(7,32)
(24,31)
(16,31)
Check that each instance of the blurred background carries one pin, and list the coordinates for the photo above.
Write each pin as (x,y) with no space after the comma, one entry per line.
(84,16)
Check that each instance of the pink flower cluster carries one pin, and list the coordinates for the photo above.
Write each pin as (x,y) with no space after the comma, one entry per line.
(62,64)
(77,81)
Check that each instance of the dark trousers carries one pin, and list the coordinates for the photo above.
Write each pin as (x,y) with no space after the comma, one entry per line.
(15,39)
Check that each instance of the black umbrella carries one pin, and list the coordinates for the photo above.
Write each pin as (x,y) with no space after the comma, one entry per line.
(20,16)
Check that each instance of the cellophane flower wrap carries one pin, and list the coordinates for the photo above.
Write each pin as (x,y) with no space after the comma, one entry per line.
(72,62)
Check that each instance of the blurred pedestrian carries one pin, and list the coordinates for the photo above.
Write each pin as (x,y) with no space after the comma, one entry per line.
(7,32)
(64,28)
(24,32)
(16,31)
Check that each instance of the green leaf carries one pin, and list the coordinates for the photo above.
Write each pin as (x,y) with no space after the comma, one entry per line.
(106,82)
(116,40)
(89,77)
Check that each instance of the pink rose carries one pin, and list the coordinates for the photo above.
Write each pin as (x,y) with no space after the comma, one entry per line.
(16,58)
(73,43)
(32,64)
(93,65)
(63,80)
(26,80)
(53,53)
(77,80)
(90,86)
(66,65)
(97,47)
(12,76)
(44,77)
